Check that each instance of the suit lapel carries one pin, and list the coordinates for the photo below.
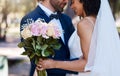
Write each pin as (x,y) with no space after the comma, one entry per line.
(42,14)
(64,27)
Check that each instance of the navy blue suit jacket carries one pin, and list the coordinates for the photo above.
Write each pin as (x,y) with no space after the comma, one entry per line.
(63,53)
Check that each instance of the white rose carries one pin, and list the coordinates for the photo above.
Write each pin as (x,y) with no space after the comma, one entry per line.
(26,33)
(50,32)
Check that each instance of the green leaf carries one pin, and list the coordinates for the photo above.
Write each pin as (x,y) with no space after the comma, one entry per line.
(38,47)
(29,48)
(39,39)
(48,52)
(52,41)
(44,47)
(21,44)
(57,46)
(32,55)
(38,53)
(29,40)
(33,43)
(52,52)
(44,53)
(36,60)
(25,53)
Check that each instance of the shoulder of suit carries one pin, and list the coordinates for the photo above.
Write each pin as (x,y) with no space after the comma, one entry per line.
(29,15)
(64,15)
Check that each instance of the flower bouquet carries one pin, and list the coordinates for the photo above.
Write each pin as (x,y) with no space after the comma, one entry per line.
(39,40)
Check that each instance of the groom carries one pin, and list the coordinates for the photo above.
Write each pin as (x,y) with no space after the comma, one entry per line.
(44,10)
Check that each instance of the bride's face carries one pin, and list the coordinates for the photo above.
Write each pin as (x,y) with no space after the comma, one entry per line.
(77,7)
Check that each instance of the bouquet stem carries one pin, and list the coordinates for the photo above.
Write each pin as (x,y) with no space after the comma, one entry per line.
(41,73)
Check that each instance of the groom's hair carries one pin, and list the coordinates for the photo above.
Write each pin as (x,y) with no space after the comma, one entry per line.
(91,7)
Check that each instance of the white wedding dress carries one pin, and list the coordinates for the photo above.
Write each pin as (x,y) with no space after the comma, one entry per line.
(75,49)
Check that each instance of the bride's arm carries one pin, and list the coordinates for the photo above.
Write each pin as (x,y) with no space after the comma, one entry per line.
(84,32)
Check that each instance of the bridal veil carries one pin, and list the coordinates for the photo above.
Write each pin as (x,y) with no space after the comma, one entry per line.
(104,52)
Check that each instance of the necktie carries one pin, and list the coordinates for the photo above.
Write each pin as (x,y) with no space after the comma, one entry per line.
(52,16)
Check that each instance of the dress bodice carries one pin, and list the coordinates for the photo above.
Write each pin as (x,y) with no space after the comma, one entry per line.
(74,46)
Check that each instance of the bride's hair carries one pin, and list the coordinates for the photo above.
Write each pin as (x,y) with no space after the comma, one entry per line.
(91,7)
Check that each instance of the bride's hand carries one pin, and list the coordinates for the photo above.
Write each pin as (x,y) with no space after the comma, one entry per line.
(45,64)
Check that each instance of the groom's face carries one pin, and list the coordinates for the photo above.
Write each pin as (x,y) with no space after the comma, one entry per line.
(58,5)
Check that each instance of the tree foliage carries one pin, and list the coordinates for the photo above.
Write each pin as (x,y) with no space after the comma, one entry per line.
(8,6)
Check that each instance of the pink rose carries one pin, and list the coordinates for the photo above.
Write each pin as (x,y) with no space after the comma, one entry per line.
(35,29)
(43,30)
(57,32)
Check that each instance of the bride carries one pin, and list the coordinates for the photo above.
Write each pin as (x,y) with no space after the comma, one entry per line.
(95,42)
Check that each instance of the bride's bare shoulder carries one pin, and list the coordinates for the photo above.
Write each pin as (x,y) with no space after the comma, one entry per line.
(84,24)
(87,22)
(84,27)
